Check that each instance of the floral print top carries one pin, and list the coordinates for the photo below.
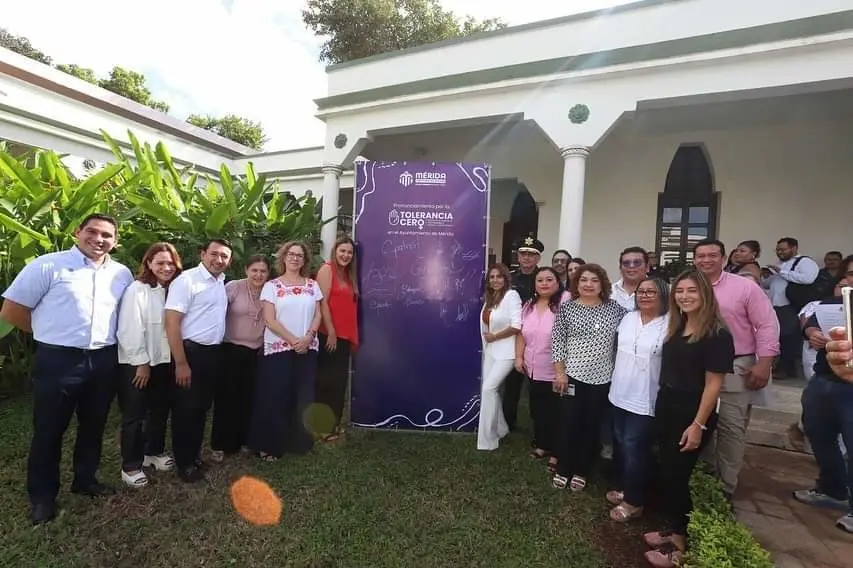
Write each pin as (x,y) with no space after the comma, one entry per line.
(295,308)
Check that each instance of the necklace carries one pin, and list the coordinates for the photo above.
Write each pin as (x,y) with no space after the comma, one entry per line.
(254,301)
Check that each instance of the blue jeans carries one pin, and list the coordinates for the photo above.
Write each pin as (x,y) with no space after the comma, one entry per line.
(633,436)
(828,412)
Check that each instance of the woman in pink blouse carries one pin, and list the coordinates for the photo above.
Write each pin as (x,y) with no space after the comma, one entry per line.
(244,336)
(533,358)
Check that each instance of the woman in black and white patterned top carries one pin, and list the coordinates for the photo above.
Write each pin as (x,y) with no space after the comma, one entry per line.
(583,346)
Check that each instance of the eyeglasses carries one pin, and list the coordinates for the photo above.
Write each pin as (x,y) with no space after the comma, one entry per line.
(295,255)
(647,293)
(633,263)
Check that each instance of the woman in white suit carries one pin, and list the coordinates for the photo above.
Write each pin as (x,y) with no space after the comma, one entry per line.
(500,321)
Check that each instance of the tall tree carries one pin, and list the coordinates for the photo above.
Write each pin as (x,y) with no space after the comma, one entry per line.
(360,28)
(131,85)
(22,45)
(241,130)
(80,72)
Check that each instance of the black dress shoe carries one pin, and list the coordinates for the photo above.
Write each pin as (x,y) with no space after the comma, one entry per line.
(42,513)
(191,474)
(93,490)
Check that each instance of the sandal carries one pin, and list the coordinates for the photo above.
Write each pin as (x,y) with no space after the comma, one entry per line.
(269,458)
(559,481)
(667,556)
(135,480)
(163,462)
(538,454)
(552,466)
(621,513)
(578,483)
(656,539)
(615,497)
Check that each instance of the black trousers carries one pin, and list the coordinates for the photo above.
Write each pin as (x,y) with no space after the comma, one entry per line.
(144,413)
(232,402)
(674,412)
(191,404)
(68,381)
(544,406)
(580,419)
(284,392)
(333,377)
(790,339)
(512,386)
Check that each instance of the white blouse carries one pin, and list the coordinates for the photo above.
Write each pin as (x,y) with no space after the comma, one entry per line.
(295,308)
(636,374)
(506,314)
(141,334)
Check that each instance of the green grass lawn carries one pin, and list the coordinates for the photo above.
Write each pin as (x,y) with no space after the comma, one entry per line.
(375,499)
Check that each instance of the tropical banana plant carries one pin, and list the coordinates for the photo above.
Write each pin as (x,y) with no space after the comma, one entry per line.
(180,205)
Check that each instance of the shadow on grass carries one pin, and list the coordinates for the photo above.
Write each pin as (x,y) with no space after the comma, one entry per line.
(375,499)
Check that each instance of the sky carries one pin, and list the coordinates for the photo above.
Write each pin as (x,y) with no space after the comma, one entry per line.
(252,58)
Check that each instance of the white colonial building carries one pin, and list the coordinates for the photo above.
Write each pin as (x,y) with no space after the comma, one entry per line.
(656,124)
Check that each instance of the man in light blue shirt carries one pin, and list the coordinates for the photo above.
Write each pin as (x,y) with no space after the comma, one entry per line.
(69,301)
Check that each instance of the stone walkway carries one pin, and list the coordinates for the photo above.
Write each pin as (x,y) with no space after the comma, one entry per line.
(798,536)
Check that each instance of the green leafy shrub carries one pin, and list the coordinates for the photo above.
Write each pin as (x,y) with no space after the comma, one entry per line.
(717,539)
(41,203)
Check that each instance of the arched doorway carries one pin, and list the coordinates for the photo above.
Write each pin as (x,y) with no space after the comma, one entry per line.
(687,207)
(523,222)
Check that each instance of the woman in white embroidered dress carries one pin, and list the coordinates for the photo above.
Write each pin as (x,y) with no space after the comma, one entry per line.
(287,369)
(500,321)
(144,393)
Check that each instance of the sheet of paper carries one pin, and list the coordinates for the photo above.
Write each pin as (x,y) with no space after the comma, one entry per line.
(829,316)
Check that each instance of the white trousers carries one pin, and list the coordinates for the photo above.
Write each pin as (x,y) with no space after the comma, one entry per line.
(492,426)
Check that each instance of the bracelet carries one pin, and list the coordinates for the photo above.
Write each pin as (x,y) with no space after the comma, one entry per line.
(702,426)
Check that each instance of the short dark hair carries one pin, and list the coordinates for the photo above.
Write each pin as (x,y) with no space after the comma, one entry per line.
(561,251)
(99,217)
(848,260)
(790,241)
(635,250)
(257,258)
(711,242)
(217,241)
(577,260)
(834,253)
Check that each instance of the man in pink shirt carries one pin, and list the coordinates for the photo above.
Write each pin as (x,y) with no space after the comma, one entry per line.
(749,315)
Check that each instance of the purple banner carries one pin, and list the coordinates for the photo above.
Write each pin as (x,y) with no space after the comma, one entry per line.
(421,232)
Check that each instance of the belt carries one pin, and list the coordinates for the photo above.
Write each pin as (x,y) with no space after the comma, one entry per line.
(71,349)
(746,355)
(191,343)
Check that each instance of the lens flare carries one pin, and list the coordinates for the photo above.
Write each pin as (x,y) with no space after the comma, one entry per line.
(255,501)
(319,419)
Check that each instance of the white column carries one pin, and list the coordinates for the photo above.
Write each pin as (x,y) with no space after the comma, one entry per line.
(571,202)
(331,192)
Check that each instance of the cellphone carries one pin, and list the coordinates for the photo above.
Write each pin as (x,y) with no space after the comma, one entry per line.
(847,299)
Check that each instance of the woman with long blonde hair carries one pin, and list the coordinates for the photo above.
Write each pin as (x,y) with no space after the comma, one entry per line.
(697,354)
(500,321)
(339,331)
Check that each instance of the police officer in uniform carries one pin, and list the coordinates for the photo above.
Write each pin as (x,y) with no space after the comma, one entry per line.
(529,252)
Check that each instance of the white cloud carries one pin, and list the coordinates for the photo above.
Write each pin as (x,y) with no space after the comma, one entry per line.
(253,58)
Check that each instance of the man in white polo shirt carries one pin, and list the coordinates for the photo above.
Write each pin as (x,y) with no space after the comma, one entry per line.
(69,301)
(195,325)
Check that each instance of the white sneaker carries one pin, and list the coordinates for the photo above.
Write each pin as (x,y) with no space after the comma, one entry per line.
(163,462)
(135,480)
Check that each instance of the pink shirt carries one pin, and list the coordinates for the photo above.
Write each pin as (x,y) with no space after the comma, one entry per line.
(244,322)
(536,330)
(748,314)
